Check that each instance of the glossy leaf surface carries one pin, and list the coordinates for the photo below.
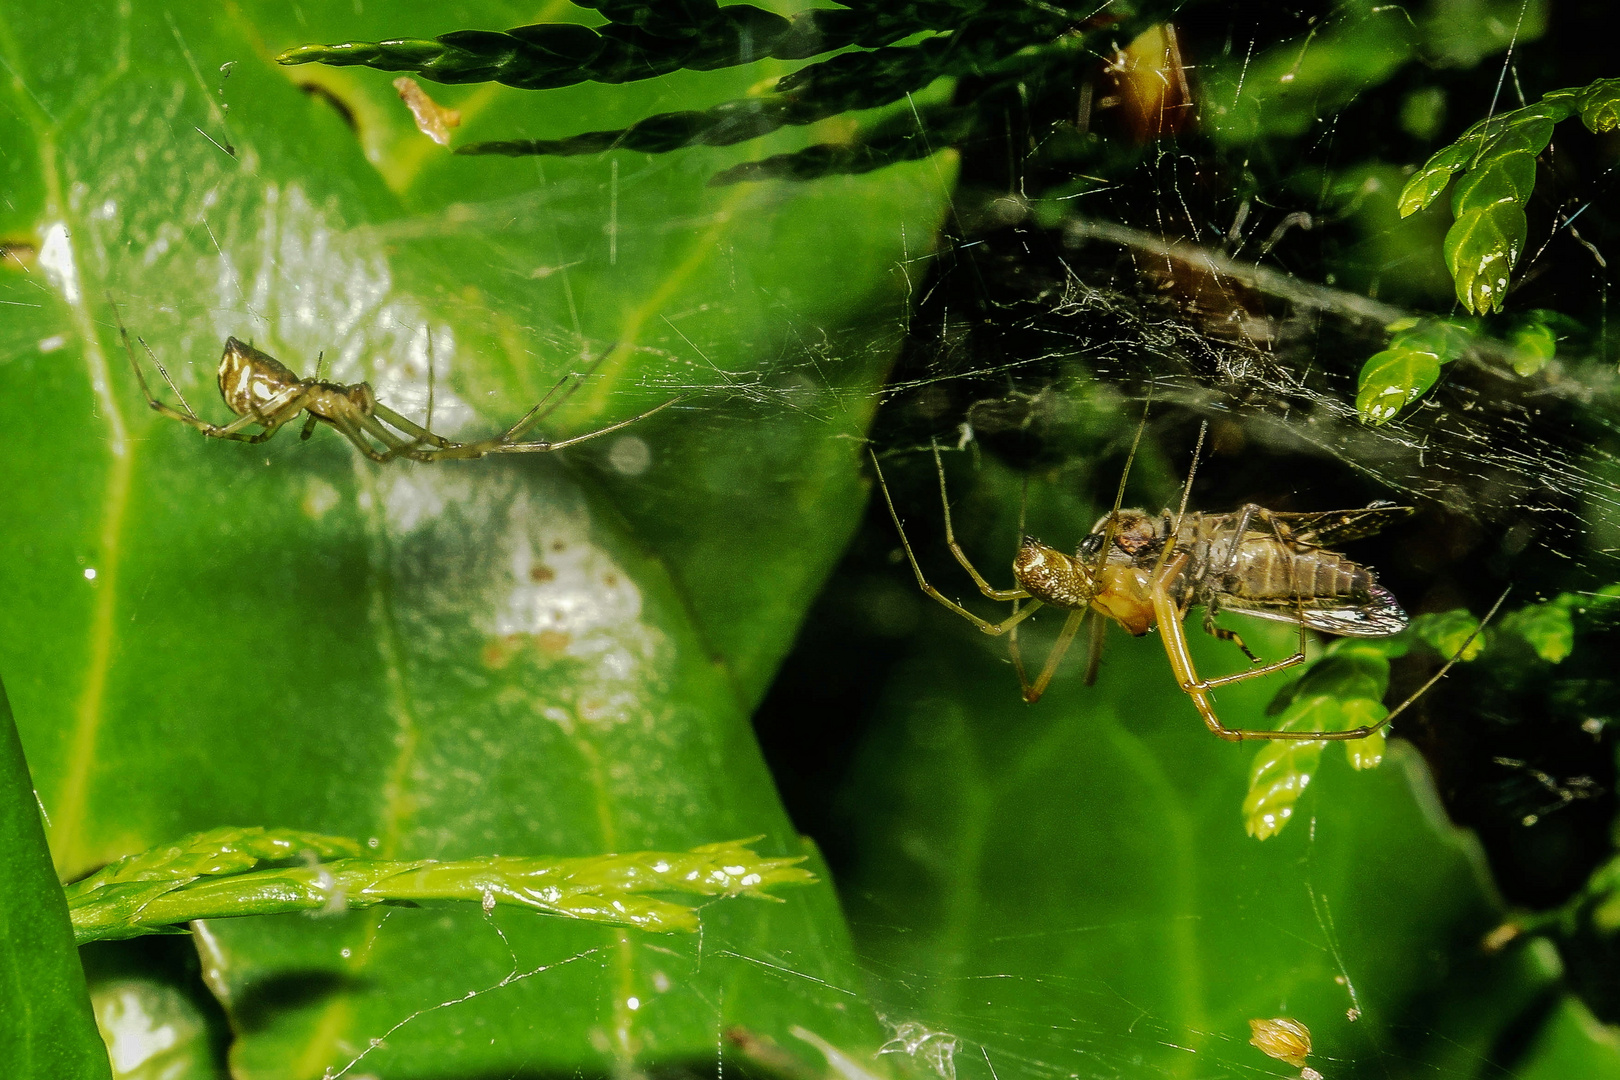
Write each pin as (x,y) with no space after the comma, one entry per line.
(546,655)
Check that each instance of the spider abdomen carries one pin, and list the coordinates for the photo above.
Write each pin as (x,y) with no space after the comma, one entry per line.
(251,381)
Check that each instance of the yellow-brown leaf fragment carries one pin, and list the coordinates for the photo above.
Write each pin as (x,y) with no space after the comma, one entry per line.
(1281,1038)
(432,119)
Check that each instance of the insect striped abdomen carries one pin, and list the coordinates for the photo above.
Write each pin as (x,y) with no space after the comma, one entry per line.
(1269,571)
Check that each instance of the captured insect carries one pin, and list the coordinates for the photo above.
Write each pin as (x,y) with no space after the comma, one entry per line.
(263,392)
(1143,571)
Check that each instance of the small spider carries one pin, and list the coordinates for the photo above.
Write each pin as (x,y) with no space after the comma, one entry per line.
(264,392)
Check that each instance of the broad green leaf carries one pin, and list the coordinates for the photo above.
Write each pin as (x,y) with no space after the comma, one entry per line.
(47,1031)
(1080,894)
(1447,339)
(548,655)
(1391,380)
(1572,1043)
(1481,247)
(153,1030)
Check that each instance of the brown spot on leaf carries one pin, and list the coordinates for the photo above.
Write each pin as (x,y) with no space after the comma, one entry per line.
(552,642)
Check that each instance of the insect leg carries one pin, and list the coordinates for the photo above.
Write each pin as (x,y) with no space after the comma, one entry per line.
(1224,634)
(1094,651)
(1244,516)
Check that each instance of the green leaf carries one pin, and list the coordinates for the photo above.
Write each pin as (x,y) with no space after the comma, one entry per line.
(1365,753)
(1497,156)
(1447,339)
(1534,343)
(1451,633)
(550,655)
(1480,249)
(1282,770)
(46,1026)
(1509,178)
(1548,628)
(1391,380)
(1429,181)
(1600,105)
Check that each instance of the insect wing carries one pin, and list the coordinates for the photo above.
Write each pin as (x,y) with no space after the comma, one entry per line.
(1326,528)
(1379,616)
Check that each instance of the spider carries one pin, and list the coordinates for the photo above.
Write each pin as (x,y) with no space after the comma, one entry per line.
(1141,571)
(264,392)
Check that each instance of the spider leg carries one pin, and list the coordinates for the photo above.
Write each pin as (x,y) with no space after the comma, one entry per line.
(503,446)
(1094,651)
(359,420)
(541,410)
(1032,693)
(983,624)
(271,416)
(349,428)
(416,431)
(420,433)
(1174,636)
(956,549)
(186,417)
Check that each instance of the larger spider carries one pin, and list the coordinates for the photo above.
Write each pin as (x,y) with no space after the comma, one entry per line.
(1143,572)
(263,392)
